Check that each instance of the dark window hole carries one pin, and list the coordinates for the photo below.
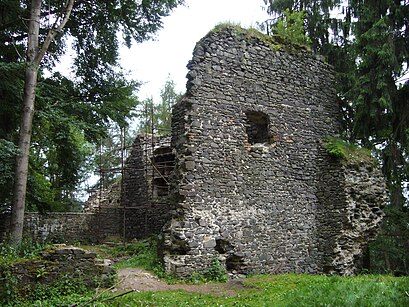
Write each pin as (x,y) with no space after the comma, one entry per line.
(257,127)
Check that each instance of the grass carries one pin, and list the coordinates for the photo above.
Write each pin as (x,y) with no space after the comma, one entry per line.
(136,254)
(266,290)
(273,290)
(288,290)
(275,42)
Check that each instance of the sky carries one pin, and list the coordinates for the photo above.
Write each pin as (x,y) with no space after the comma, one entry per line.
(151,62)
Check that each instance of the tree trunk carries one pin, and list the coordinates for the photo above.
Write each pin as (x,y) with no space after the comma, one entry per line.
(34,57)
(30,84)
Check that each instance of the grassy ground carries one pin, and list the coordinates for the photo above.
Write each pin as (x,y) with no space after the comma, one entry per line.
(273,290)
(289,290)
(278,290)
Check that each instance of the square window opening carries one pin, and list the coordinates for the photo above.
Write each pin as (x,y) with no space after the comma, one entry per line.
(257,127)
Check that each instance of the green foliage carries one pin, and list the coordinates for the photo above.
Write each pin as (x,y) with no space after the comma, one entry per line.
(215,273)
(236,27)
(8,288)
(65,285)
(73,114)
(157,116)
(138,254)
(291,28)
(108,159)
(317,20)
(11,91)
(27,249)
(286,290)
(8,152)
(274,290)
(389,252)
(350,153)
(141,253)
(275,42)
(66,289)
(9,254)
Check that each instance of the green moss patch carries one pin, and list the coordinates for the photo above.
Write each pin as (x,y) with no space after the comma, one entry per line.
(351,154)
(275,42)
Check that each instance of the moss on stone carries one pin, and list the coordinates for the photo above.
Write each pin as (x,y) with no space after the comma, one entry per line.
(351,154)
(275,42)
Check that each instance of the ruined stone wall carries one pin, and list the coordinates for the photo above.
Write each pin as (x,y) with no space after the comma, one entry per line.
(106,224)
(250,183)
(351,197)
(253,186)
(145,186)
(57,264)
(100,220)
(365,195)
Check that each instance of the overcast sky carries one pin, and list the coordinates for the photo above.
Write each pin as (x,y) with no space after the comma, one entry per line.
(152,61)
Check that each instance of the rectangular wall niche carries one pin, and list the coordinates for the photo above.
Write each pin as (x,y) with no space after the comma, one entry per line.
(257,127)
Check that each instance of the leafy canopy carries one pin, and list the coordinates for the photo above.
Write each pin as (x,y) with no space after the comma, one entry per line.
(72,114)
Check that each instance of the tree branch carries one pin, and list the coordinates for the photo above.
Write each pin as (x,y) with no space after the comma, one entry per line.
(52,33)
(118,295)
(15,47)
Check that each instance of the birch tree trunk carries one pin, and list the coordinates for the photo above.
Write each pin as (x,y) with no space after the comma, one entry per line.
(30,84)
(34,57)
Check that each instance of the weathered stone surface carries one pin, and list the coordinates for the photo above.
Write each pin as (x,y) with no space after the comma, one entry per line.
(62,262)
(91,227)
(101,220)
(145,187)
(267,198)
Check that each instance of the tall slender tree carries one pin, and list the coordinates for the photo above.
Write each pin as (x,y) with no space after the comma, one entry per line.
(34,58)
(94,26)
(157,116)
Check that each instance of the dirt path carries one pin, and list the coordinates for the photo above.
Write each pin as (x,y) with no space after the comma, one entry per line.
(141,280)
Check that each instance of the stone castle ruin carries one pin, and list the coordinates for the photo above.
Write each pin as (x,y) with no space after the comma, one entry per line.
(245,178)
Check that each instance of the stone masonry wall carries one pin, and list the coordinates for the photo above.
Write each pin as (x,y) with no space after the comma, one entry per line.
(69,226)
(245,178)
(55,265)
(351,198)
(101,220)
(145,186)
(249,182)
(365,197)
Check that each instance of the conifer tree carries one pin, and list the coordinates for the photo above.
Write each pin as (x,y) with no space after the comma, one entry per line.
(367,42)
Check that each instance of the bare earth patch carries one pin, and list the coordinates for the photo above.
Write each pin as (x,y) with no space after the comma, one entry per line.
(140,280)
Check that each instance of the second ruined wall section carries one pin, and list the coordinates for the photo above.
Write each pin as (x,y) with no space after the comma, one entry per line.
(145,188)
(247,137)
